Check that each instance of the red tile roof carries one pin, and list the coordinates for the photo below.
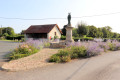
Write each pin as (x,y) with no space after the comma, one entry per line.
(41,28)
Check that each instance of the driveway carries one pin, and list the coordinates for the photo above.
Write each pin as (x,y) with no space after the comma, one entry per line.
(102,67)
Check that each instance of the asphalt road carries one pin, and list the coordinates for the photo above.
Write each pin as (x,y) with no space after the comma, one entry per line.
(6,47)
(102,67)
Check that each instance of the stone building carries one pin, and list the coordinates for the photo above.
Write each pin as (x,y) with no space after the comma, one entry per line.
(43,32)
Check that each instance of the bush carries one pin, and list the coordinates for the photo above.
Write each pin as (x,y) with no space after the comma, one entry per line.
(63,37)
(112,47)
(46,44)
(78,51)
(19,37)
(67,54)
(84,49)
(22,51)
(55,58)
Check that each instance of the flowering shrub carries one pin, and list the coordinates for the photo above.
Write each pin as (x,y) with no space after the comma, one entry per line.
(27,48)
(22,51)
(114,45)
(67,54)
(61,56)
(84,49)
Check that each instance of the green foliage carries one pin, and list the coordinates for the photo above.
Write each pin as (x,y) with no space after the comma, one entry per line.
(99,33)
(115,35)
(92,31)
(112,46)
(64,30)
(78,52)
(22,51)
(47,44)
(55,37)
(82,29)
(67,54)
(63,37)
(74,32)
(61,56)
(5,34)
(18,37)
(8,30)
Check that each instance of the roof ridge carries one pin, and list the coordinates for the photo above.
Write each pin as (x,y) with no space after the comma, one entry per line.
(43,24)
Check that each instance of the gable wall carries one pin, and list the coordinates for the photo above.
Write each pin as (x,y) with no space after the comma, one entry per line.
(52,32)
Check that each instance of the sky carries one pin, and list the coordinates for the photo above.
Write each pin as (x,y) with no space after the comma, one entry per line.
(43,9)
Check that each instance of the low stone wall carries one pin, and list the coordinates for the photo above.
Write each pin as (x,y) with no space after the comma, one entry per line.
(57,45)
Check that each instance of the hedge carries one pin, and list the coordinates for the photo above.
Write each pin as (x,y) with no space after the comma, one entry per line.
(15,37)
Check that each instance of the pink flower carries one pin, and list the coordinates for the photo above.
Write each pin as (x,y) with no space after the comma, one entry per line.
(30,50)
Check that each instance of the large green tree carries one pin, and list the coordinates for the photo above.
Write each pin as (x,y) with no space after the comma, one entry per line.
(82,29)
(8,30)
(92,31)
(99,33)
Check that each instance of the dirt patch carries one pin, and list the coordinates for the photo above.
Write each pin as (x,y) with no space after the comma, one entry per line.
(36,60)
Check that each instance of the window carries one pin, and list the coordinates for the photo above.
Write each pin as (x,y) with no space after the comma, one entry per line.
(55,33)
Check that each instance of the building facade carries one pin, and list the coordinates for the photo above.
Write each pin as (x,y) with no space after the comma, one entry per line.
(43,32)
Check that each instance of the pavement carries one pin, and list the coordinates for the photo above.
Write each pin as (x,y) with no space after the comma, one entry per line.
(102,67)
(5,48)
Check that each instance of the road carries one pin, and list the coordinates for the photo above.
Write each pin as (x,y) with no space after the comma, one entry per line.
(102,67)
(5,48)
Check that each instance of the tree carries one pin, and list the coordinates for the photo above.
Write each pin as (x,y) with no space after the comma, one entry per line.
(115,35)
(74,32)
(92,31)
(64,30)
(8,30)
(22,32)
(105,32)
(99,33)
(0,32)
(82,29)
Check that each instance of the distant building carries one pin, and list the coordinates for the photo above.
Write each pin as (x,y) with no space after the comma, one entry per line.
(43,32)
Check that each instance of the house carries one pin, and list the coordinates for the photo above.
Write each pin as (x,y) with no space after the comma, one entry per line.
(43,32)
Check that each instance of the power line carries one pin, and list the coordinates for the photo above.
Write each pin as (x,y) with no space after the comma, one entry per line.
(98,15)
(59,18)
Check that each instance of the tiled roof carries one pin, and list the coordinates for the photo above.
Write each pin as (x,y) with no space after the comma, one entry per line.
(41,28)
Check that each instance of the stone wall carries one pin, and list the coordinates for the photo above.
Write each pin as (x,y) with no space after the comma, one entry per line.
(57,45)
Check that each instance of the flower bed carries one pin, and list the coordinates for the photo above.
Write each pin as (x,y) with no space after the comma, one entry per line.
(84,49)
(27,48)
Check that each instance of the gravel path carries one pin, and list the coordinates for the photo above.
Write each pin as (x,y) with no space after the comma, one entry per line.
(36,60)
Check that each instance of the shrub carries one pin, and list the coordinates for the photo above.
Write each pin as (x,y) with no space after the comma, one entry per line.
(22,51)
(112,47)
(94,49)
(46,44)
(104,45)
(69,53)
(27,48)
(84,49)
(55,58)
(63,37)
(78,51)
